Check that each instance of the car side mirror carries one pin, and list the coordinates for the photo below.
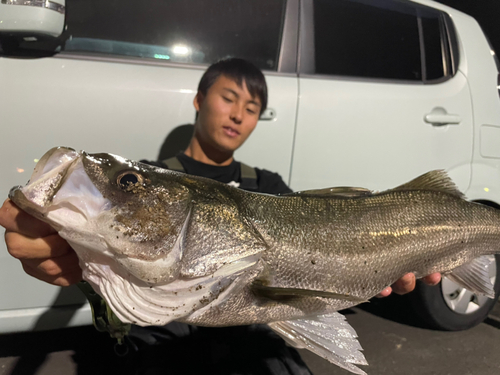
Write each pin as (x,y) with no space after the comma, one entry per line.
(32,18)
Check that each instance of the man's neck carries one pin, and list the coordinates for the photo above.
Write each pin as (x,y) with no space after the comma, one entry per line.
(206,154)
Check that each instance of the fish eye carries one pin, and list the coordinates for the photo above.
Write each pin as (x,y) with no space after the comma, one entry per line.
(126,179)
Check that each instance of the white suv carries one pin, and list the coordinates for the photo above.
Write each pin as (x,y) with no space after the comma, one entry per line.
(362,93)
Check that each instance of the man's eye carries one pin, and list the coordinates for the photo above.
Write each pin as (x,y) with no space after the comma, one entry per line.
(251,111)
(227,99)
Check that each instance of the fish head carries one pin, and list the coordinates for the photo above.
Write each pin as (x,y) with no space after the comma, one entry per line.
(122,213)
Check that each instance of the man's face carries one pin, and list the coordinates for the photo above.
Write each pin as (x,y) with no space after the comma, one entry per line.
(227,114)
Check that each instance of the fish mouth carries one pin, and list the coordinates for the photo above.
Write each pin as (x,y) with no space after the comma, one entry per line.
(55,160)
(60,181)
(47,178)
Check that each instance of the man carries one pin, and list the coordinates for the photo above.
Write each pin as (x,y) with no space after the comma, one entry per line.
(232,94)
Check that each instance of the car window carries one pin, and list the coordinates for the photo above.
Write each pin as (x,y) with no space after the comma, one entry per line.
(363,40)
(385,39)
(184,31)
(436,49)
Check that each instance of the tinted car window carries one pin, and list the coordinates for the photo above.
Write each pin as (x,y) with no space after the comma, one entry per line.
(367,39)
(385,39)
(186,31)
(436,47)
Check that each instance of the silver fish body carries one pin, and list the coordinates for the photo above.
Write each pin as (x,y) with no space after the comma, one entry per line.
(160,245)
(357,246)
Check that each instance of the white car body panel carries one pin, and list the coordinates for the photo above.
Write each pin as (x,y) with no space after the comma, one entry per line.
(380,139)
(44,318)
(477,64)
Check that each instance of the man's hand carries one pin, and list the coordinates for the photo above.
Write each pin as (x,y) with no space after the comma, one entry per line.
(43,254)
(407,283)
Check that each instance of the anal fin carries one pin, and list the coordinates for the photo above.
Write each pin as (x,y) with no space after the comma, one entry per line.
(329,336)
(474,276)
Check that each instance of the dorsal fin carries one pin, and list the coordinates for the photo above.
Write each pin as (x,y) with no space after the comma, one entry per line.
(437,180)
(341,191)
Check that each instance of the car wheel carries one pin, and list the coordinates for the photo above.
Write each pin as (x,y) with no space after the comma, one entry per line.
(450,307)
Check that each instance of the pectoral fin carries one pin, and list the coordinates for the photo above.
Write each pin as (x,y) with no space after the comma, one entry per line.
(329,336)
(474,276)
(278,293)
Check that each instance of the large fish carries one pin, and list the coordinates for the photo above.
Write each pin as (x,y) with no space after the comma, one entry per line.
(159,245)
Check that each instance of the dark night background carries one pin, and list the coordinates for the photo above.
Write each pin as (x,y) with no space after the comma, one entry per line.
(486,12)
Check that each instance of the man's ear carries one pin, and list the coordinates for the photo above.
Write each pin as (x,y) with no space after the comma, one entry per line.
(198,99)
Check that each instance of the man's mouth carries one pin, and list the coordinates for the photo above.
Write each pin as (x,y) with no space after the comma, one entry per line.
(230,132)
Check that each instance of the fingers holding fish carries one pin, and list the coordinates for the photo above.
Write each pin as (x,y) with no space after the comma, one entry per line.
(432,279)
(47,256)
(23,247)
(14,219)
(405,284)
(60,271)
(385,293)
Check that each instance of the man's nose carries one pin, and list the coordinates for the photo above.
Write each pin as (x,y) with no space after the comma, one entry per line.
(237,114)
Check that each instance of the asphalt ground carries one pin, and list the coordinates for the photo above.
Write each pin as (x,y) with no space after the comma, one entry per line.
(392,345)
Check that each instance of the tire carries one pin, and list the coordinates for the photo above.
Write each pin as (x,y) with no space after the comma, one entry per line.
(449,307)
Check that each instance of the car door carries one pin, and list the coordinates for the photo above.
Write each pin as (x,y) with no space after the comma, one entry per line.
(271,144)
(122,79)
(382,97)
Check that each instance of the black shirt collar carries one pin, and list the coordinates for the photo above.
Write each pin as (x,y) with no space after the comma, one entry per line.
(224,174)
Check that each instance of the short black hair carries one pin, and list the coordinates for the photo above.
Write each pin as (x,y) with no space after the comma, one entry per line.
(238,70)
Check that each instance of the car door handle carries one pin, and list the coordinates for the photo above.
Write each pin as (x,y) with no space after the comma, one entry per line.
(268,115)
(439,117)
